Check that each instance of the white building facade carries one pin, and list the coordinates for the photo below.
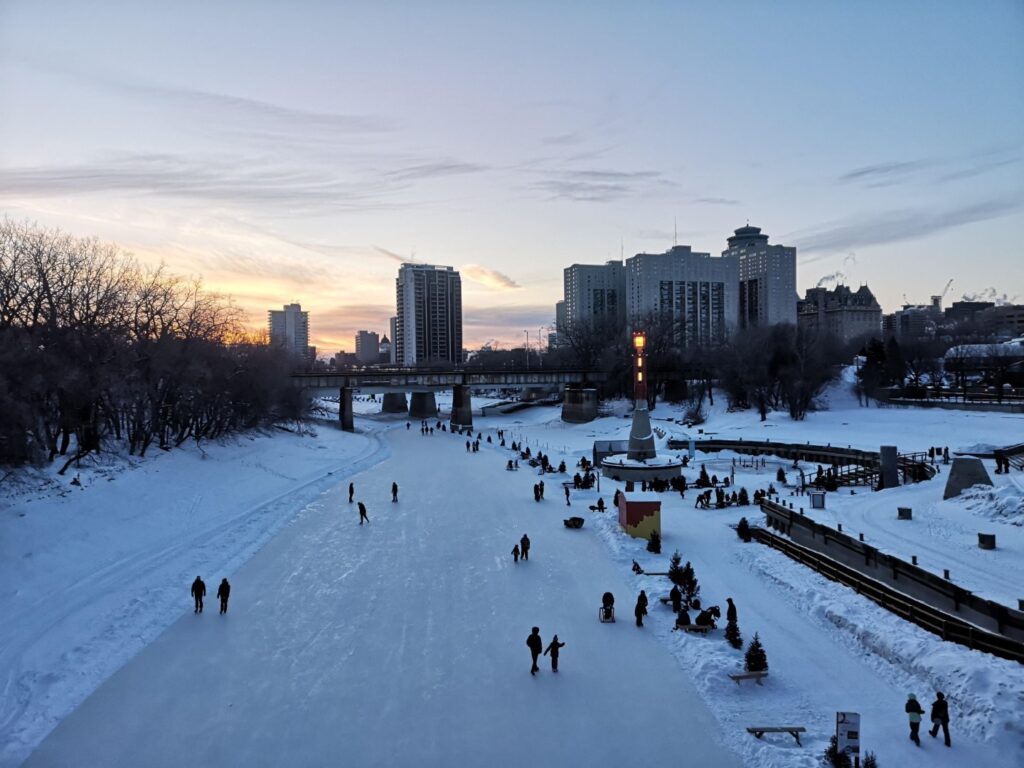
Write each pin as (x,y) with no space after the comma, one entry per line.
(428,322)
(289,328)
(593,294)
(696,293)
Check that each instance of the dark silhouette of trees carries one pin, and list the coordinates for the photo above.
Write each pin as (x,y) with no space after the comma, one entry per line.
(96,350)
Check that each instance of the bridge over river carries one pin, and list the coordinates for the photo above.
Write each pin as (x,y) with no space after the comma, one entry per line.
(579,403)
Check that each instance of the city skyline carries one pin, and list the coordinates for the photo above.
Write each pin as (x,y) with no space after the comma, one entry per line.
(302,153)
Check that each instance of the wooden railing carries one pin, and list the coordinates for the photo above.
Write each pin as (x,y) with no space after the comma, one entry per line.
(945,625)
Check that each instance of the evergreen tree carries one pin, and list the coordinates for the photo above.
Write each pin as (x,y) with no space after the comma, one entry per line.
(756,659)
(654,544)
(675,570)
(870,761)
(833,758)
(895,365)
(732,634)
(743,527)
(689,587)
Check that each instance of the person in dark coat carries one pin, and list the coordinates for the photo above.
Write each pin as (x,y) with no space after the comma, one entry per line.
(534,643)
(676,597)
(351,491)
(914,712)
(730,612)
(541,486)
(223,592)
(536,492)
(682,619)
(198,592)
(940,717)
(641,608)
(515,553)
(567,497)
(394,492)
(524,547)
(362,513)
(553,647)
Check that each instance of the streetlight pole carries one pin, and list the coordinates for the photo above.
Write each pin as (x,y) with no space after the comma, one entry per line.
(527,349)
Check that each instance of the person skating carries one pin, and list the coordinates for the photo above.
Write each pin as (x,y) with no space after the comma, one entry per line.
(198,592)
(914,712)
(567,497)
(536,492)
(524,547)
(553,647)
(940,717)
(730,612)
(676,597)
(394,492)
(223,592)
(515,553)
(641,608)
(362,513)
(541,486)
(351,491)
(534,643)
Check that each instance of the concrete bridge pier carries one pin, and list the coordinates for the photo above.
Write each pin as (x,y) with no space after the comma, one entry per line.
(394,402)
(579,405)
(462,406)
(345,410)
(423,405)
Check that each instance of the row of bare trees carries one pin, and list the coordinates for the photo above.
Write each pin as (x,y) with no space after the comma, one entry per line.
(95,350)
(769,368)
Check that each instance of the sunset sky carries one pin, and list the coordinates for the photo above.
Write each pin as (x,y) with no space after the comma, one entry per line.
(301,151)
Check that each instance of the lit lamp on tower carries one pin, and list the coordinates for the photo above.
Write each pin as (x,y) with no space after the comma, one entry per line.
(639,512)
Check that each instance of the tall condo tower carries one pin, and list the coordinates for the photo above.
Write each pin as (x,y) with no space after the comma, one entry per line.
(428,321)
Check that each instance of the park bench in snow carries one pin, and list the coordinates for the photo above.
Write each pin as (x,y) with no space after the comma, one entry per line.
(792,730)
(757,677)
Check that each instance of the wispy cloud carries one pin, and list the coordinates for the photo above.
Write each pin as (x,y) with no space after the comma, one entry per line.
(716,201)
(489,278)
(884,174)
(521,316)
(896,226)
(599,186)
(931,170)
(432,170)
(392,255)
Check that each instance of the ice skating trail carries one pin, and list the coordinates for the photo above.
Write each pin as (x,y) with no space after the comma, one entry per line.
(402,642)
(93,578)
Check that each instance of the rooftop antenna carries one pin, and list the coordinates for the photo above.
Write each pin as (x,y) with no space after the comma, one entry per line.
(675,231)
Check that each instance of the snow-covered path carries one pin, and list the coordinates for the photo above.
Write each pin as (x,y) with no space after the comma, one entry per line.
(403,642)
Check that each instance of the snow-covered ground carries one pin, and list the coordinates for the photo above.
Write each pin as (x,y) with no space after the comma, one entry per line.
(402,642)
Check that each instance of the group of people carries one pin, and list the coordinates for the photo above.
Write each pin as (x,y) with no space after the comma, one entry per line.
(939,717)
(199,592)
(363,517)
(1003,464)
(535,644)
(538,491)
(522,549)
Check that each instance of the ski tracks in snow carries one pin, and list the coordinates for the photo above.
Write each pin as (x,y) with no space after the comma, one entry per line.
(84,633)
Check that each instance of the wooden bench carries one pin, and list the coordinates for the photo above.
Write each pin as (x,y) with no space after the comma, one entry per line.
(757,677)
(792,730)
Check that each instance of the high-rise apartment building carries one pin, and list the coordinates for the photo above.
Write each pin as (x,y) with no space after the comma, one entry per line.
(694,292)
(593,293)
(392,350)
(428,325)
(367,347)
(289,328)
(767,278)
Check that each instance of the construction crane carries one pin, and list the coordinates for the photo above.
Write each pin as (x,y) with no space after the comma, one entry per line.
(946,289)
